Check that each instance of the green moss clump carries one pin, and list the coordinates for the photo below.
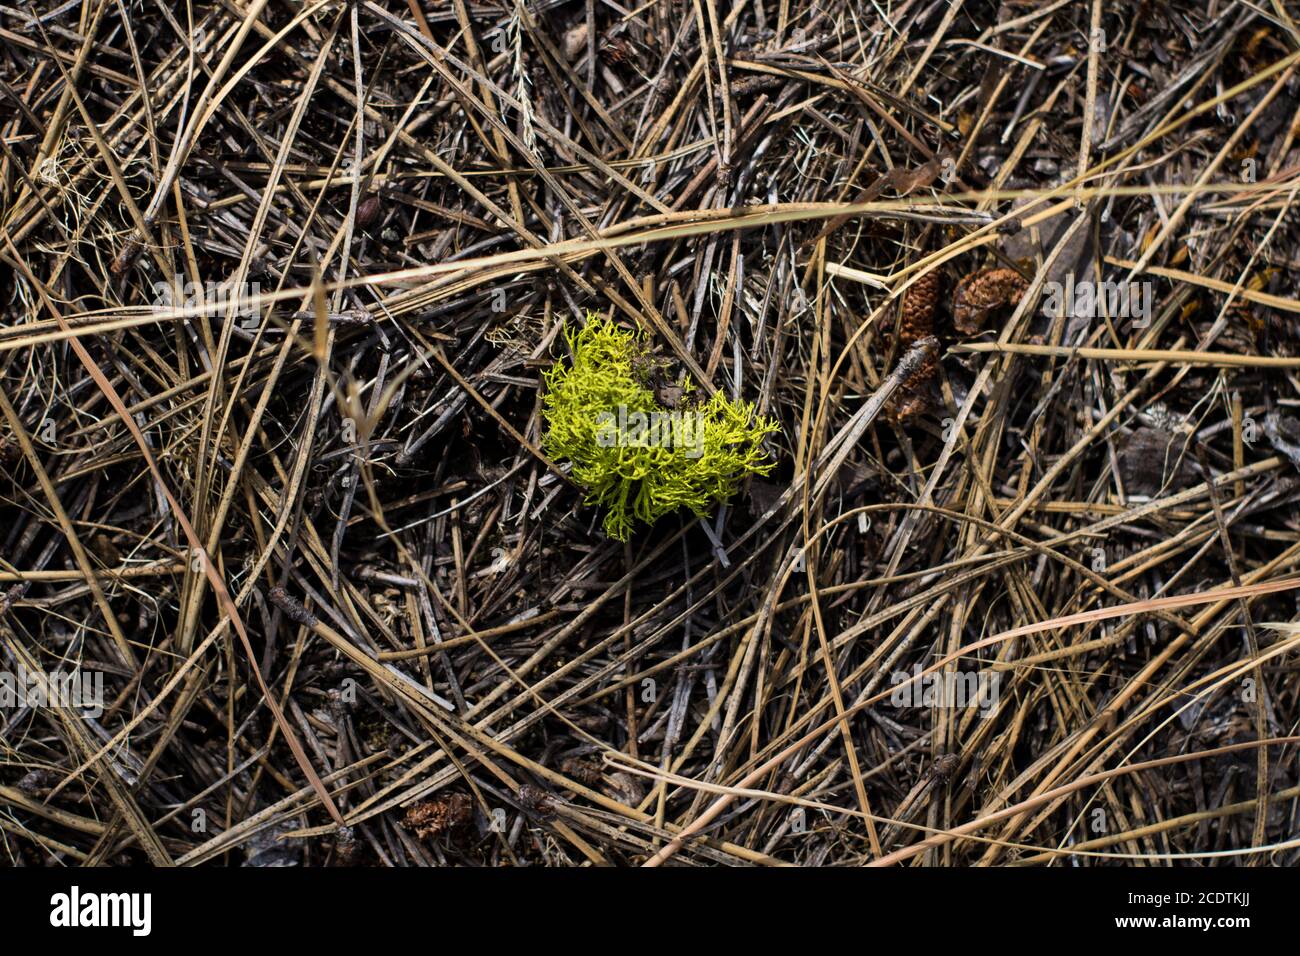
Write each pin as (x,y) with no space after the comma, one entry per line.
(634,455)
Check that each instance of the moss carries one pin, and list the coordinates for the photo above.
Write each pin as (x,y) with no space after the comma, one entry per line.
(634,455)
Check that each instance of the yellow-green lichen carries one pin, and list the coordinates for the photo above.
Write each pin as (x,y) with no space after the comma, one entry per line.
(634,455)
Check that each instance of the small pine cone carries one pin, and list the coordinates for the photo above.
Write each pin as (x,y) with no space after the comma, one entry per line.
(427,819)
(914,395)
(980,293)
(584,771)
(434,816)
(917,318)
